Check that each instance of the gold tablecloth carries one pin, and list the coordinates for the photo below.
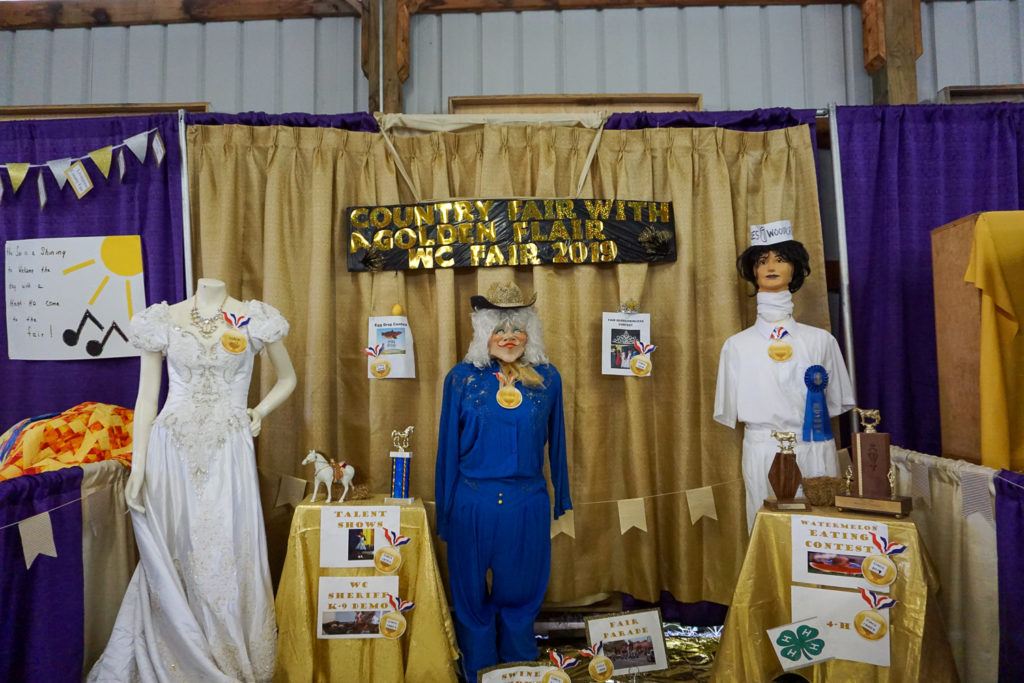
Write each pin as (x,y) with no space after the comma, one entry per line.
(919,648)
(426,653)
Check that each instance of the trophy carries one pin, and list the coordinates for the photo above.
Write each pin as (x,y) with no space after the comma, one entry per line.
(400,466)
(784,476)
(871,479)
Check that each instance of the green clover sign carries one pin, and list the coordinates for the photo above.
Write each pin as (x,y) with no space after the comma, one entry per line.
(805,642)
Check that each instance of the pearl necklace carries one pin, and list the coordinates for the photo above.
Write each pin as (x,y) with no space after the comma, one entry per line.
(207,325)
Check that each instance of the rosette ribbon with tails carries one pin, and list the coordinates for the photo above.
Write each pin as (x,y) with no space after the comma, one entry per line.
(817,426)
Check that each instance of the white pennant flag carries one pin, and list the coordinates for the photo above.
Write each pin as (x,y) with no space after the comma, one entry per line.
(57,168)
(37,537)
(138,144)
(120,165)
(632,513)
(1,191)
(975,495)
(566,524)
(158,148)
(41,184)
(702,504)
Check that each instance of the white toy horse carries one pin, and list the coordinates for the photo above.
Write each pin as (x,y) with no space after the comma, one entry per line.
(329,472)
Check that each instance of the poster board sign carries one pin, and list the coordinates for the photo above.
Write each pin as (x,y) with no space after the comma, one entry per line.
(352,606)
(620,334)
(514,672)
(350,534)
(834,551)
(852,629)
(634,641)
(70,298)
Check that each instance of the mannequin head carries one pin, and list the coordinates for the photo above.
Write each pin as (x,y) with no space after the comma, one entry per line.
(775,267)
(512,336)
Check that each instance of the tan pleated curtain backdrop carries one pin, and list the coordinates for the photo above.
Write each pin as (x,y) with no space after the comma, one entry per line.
(269,219)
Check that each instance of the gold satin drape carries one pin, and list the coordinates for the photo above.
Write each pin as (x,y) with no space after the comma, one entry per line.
(268,213)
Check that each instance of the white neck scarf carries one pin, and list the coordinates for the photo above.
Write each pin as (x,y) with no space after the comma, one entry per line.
(774,307)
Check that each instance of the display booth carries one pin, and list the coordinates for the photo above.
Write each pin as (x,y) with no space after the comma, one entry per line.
(266,204)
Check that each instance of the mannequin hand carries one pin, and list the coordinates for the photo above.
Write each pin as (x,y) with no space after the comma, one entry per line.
(255,421)
(133,491)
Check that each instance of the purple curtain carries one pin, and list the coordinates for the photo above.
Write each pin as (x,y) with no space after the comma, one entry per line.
(906,171)
(362,122)
(1010,547)
(42,636)
(147,203)
(754,120)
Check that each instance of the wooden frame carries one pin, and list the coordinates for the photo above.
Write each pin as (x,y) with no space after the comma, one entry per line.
(68,111)
(575,104)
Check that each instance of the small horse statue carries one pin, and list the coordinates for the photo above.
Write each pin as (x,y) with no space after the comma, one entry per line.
(329,472)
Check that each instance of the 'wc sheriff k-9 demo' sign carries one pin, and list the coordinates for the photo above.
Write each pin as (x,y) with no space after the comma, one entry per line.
(509,232)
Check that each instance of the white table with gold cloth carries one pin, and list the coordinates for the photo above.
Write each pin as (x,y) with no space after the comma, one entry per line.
(426,653)
(919,648)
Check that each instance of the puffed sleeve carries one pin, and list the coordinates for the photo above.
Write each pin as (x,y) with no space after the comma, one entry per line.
(556,447)
(446,472)
(839,393)
(725,390)
(148,329)
(266,324)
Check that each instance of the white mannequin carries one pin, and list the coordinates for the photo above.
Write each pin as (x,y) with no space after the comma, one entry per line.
(210,296)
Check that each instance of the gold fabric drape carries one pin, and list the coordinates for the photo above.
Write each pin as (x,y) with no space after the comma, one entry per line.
(997,269)
(268,213)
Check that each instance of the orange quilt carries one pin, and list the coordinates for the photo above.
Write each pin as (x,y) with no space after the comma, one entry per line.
(89,432)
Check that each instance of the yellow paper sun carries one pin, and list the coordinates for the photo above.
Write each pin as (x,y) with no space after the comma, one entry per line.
(122,255)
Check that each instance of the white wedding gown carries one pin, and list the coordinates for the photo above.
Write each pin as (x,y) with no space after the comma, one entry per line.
(199,606)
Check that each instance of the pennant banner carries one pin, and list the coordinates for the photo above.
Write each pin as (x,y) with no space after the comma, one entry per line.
(17,173)
(101,157)
(58,167)
(702,504)
(120,165)
(632,513)
(975,495)
(138,144)
(41,188)
(566,524)
(290,491)
(37,537)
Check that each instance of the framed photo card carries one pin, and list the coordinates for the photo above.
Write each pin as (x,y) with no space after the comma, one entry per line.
(633,641)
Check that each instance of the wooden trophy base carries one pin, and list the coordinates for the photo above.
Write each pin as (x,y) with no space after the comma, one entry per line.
(787,504)
(896,507)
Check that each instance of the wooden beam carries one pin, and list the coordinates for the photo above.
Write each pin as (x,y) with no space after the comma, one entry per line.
(371,51)
(390,48)
(31,14)
(896,81)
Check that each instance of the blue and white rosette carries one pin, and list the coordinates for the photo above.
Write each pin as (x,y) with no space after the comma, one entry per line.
(817,425)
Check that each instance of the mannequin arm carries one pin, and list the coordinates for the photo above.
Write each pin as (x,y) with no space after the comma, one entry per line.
(150,371)
(281,390)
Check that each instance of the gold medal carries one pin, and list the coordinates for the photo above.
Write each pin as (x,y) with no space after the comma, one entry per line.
(780,351)
(556,676)
(879,570)
(233,341)
(509,397)
(870,624)
(392,625)
(601,668)
(387,559)
(640,365)
(379,367)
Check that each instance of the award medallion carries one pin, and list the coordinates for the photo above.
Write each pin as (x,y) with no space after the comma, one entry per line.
(601,668)
(879,570)
(780,351)
(508,396)
(387,560)
(380,367)
(640,365)
(556,676)
(233,341)
(392,625)
(870,624)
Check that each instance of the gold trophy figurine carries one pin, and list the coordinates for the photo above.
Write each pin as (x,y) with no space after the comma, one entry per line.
(784,476)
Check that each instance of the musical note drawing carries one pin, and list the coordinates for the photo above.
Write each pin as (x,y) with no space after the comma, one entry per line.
(71,336)
(95,348)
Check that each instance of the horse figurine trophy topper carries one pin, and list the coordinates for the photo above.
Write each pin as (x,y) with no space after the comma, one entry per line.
(400,459)
(329,472)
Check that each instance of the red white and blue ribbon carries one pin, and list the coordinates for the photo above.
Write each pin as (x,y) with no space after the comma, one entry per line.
(395,540)
(373,351)
(817,425)
(562,661)
(644,349)
(400,605)
(594,650)
(779,333)
(235,320)
(877,600)
(887,547)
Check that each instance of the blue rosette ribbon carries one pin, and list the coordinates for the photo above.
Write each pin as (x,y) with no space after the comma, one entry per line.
(817,425)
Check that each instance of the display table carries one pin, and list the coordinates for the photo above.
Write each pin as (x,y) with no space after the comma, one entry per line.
(919,648)
(426,653)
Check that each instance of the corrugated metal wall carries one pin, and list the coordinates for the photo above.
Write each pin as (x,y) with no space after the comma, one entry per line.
(736,57)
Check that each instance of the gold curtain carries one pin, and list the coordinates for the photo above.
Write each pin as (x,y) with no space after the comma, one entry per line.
(268,214)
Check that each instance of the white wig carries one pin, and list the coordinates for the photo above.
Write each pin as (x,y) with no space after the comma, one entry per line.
(486,320)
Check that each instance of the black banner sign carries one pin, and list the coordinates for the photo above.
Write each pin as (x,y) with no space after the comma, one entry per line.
(509,232)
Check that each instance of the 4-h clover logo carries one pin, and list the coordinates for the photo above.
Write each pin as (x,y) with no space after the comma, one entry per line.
(805,642)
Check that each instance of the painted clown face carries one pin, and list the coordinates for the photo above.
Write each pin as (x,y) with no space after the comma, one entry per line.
(508,342)
(773,272)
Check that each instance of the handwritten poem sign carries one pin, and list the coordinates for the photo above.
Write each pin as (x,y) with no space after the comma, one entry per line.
(70,298)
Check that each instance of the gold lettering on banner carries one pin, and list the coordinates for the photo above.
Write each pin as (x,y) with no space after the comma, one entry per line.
(595,230)
(486,232)
(558,231)
(446,234)
(444,257)
(599,208)
(359,218)
(357,242)
(403,221)
(484,207)
(424,214)
(405,238)
(382,240)
(425,240)
(422,258)
(476,253)
(463,212)
(520,230)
